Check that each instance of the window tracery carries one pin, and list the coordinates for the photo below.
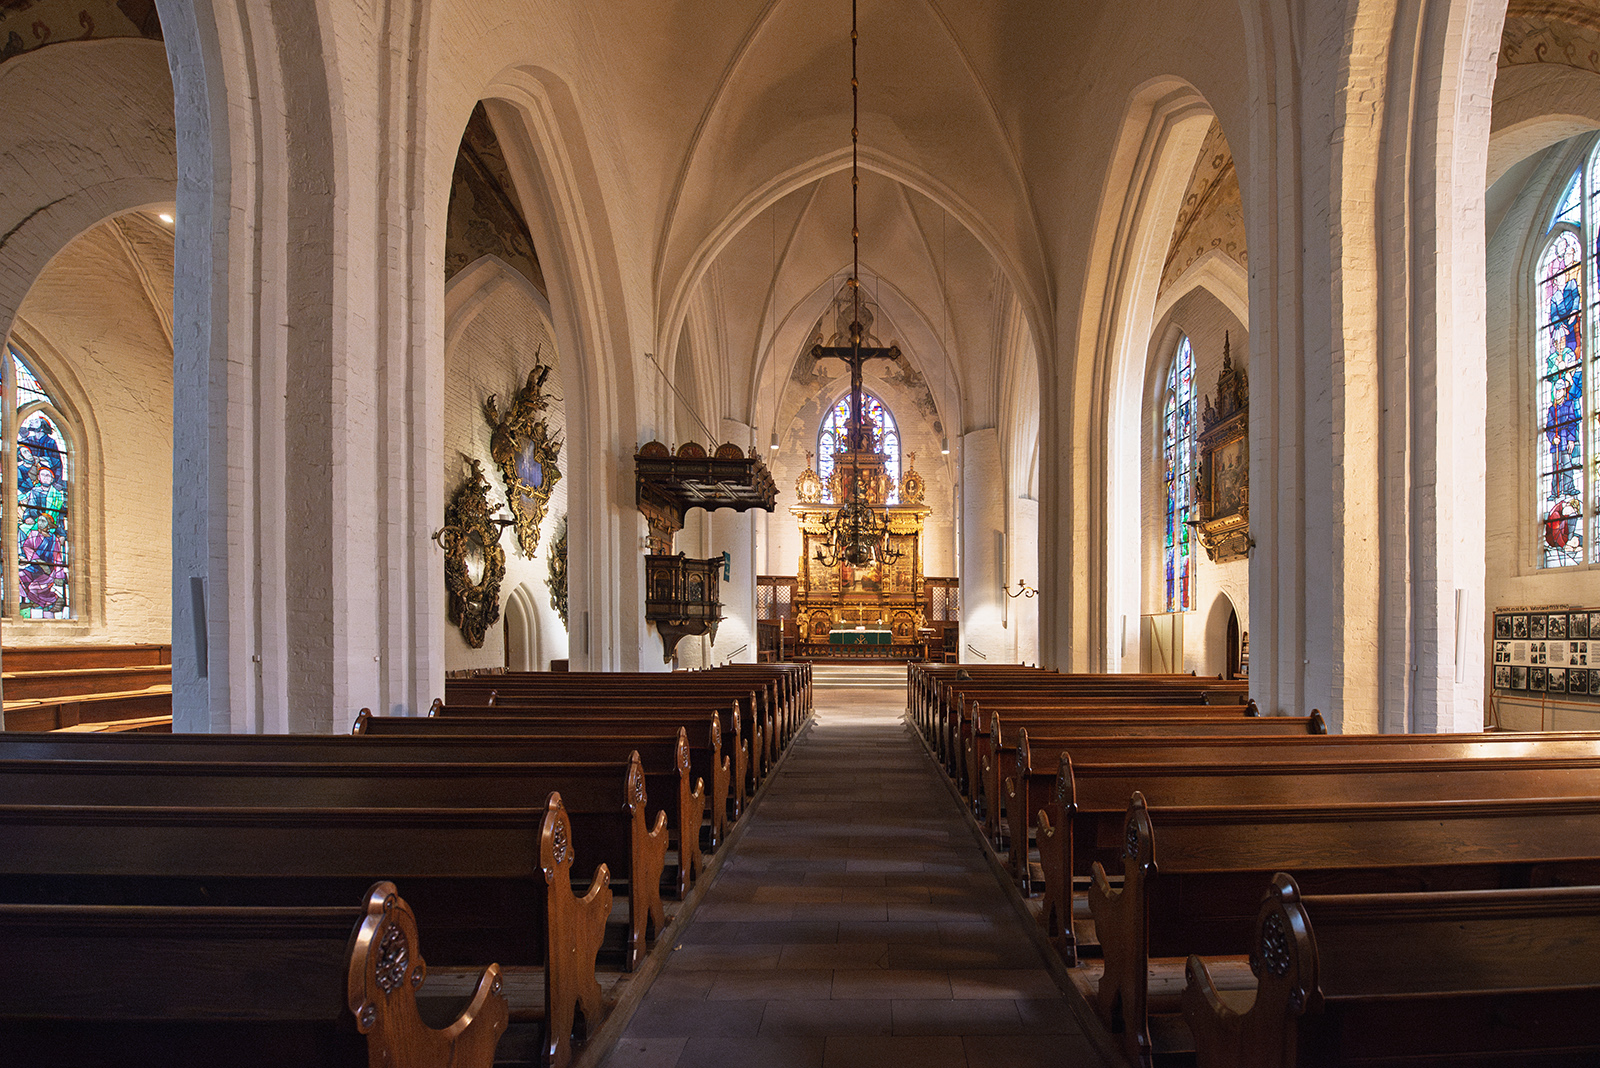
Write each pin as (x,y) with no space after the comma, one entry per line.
(1564,402)
(834,437)
(1177,456)
(40,530)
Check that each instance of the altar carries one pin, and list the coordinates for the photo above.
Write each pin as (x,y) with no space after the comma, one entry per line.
(860,636)
(879,604)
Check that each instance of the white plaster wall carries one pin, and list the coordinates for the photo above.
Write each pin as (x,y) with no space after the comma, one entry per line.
(497,334)
(1205,320)
(103,349)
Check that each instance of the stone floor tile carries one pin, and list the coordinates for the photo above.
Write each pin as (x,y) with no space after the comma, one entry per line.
(678,983)
(1003,983)
(647,1053)
(879,1052)
(789,1051)
(944,1017)
(867,983)
(946,957)
(724,957)
(788,932)
(857,922)
(838,955)
(885,931)
(1031,1051)
(827,1017)
(694,1018)
(1047,1016)
(788,984)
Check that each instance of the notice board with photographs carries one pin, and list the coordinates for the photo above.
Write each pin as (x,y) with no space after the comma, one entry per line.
(1548,652)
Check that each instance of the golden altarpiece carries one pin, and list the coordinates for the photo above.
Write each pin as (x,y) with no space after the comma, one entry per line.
(882,602)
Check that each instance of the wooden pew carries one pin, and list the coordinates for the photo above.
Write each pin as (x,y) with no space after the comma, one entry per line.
(88,710)
(493,883)
(606,800)
(1505,977)
(1211,858)
(97,986)
(977,747)
(776,708)
(78,682)
(745,706)
(1049,770)
(67,657)
(661,746)
(964,707)
(693,714)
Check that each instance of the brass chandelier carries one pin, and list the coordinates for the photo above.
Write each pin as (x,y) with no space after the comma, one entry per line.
(858,533)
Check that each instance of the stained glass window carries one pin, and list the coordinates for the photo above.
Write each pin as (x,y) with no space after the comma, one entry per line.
(1177,453)
(1565,397)
(43,517)
(834,437)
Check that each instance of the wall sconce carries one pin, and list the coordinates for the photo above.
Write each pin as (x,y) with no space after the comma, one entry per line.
(1023,590)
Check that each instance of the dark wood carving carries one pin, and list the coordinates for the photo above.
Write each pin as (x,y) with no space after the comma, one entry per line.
(682,597)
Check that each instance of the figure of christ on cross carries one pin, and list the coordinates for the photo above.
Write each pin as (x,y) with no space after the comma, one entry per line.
(856,354)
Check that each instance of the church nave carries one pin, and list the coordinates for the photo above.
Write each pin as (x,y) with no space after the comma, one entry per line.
(855,921)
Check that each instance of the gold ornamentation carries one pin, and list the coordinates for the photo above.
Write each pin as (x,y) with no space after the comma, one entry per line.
(527,454)
(558,571)
(912,486)
(808,487)
(1224,489)
(474,562)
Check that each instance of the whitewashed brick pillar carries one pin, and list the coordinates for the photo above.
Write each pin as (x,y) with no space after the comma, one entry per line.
(983,518)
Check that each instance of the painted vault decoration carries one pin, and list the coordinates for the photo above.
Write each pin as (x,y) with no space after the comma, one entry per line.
(474,563)
(528,454)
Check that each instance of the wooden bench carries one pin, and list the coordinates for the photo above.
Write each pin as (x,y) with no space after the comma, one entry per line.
(661,746)
(977,725)
(776,709)
(79,682)
(1504,977)
(494,884)
(733,783)
(606,799)
(1191,874)
(103,711)
(1015,738)
(97,986)
(1050,770)
(67,657)
(965,707)
(755,726)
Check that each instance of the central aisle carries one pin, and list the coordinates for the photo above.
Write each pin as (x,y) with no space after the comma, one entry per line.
(856,922)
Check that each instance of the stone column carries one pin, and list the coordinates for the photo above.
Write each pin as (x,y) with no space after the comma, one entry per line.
(983,516)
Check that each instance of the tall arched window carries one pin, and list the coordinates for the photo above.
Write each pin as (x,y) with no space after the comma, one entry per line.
(39,527)
(834,437)
(1564,411)
(1177,455)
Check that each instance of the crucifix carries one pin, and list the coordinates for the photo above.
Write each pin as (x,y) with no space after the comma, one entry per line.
(856,354)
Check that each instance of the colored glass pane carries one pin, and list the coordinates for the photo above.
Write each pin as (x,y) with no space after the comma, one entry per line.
(1571,207)
(29,391)
(1560,368)
(43,548)
(834,438)
(1177,421)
